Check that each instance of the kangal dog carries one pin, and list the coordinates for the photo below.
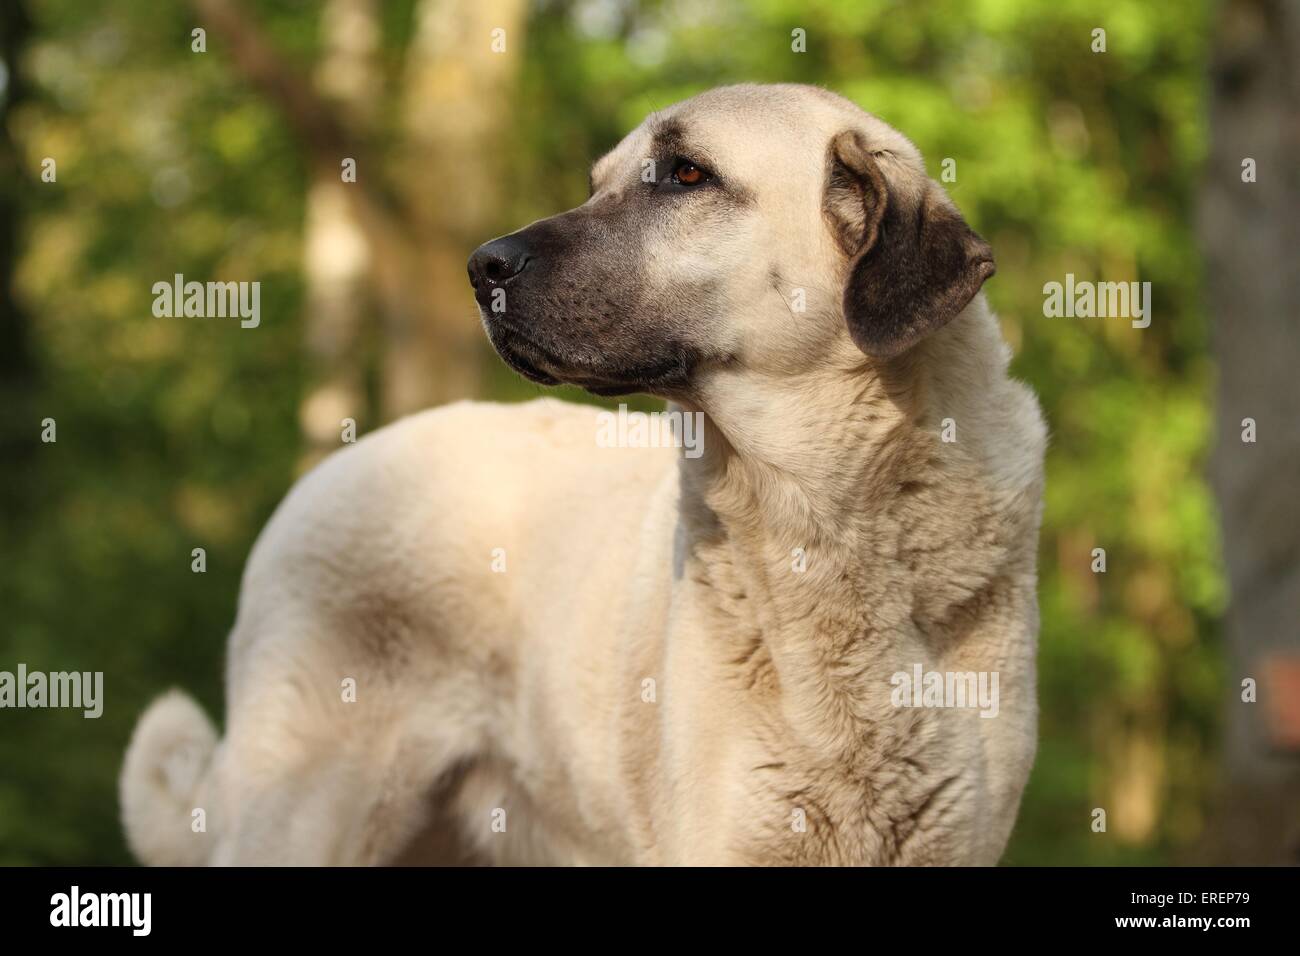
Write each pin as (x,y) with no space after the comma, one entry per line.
(479,627)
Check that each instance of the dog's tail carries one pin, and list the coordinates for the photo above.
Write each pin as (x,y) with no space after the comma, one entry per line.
(164,780)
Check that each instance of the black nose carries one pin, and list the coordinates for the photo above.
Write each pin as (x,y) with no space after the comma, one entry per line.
(498,261)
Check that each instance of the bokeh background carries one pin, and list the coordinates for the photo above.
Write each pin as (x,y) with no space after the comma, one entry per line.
(225,165)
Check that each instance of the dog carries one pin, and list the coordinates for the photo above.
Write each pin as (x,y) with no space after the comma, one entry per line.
(480,625)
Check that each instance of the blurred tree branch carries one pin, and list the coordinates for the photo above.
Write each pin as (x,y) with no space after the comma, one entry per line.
(317,125)
(417,237)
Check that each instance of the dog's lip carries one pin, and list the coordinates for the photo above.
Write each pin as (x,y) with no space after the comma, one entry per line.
(539,364)
(651,381)
(523,356)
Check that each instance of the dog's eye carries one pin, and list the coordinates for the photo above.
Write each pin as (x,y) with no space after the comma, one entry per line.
(688,174)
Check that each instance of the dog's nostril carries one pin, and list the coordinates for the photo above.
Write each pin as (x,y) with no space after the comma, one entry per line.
(506,267)
(498,261)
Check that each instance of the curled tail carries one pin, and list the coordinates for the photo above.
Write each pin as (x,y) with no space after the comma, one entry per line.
(164,780)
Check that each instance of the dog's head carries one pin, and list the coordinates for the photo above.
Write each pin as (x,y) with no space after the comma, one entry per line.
(752,227)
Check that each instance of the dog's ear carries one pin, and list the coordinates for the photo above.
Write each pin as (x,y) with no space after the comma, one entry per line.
(914,263)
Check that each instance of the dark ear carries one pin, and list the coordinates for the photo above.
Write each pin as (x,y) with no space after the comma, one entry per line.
(914,262)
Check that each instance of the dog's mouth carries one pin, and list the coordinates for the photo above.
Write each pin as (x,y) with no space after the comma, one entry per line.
(665,375)
(523,356)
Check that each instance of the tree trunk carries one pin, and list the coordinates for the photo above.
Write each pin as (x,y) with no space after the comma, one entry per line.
(20,423)
(337,252)
(419,226)
(1251,237)
(457,112)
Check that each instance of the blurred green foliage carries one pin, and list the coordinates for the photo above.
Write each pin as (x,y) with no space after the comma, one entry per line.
(173,435)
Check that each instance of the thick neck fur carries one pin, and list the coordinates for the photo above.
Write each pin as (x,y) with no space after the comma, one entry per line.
(838,539)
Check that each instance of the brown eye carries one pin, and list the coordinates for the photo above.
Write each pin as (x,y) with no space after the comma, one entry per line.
(688,174)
